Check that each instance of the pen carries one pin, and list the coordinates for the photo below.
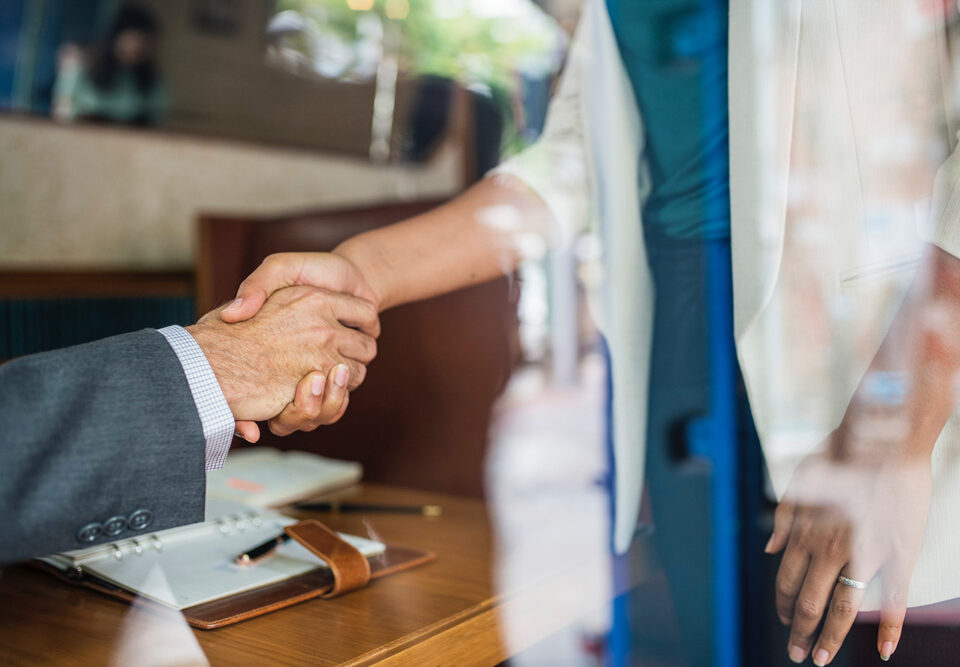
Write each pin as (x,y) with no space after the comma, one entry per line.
(261,550)
(425,510)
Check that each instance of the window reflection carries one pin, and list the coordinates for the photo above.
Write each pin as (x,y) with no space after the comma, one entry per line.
(722,422)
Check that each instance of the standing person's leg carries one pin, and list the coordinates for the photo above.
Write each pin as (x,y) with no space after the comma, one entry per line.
(678,486)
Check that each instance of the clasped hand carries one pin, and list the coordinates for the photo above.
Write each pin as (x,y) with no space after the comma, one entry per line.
(291,356)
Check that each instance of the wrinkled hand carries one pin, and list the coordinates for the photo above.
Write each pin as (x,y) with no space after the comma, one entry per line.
(301,341)
(319,269)
(858,518)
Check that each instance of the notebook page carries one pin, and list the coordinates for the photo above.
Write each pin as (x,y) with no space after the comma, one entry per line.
(266,477)
(200,568)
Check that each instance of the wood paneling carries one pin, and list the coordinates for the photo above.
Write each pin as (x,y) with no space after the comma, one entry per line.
(94,284)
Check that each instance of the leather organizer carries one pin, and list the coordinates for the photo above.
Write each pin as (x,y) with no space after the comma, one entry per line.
(347,570)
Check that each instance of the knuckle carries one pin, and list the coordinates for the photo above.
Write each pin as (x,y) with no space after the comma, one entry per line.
(890,630)
(315,298)
(896,598)
(843,608)
(325,335)
(836,546)
(785,586)
(370,353)
(371,315)
(808,609)
(830,639)
(366,309)
(310,416)
(245,284)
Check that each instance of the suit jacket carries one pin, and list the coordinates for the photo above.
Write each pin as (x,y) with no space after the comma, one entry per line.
(99,442)
(840,121)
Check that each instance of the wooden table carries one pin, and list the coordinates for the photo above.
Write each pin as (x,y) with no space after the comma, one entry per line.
(446,612)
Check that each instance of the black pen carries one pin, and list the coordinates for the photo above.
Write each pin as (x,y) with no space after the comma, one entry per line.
(261,550)
(336,506)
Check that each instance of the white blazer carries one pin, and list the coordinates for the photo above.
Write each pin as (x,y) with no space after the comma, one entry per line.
(819,138)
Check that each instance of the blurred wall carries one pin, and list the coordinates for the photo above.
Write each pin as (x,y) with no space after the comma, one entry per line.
(220,84)
(77,197)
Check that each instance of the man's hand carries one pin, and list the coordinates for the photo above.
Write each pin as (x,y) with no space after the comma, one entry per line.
(319,269)
(858,517)
(299,337)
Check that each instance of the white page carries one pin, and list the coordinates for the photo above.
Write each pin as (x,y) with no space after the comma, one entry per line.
(198,565)
(267,477)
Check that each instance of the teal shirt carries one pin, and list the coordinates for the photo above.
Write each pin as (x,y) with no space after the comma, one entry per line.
(124,102)
(675,52)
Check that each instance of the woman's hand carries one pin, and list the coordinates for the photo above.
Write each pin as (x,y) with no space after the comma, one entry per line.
(319,401)
(854,517)
(286,269)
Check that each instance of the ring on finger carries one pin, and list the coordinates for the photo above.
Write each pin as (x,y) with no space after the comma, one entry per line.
(852,583)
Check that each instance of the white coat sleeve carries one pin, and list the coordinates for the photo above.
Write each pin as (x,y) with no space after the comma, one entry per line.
(555,167)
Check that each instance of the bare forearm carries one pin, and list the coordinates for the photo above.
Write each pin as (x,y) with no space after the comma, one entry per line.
(472,239)
(923,348)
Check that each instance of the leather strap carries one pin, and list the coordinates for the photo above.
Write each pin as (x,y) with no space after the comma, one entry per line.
(350,568)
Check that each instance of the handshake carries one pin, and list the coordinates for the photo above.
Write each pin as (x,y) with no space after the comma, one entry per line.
(293,344)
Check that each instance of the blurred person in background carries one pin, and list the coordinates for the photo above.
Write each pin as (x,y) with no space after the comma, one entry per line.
(118,81)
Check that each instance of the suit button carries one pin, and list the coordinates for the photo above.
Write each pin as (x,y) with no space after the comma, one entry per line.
(114,526)
(140,519)
(89,533)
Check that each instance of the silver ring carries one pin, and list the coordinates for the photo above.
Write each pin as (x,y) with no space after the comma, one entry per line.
(852,583)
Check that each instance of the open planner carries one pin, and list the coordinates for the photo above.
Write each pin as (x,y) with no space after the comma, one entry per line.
(182,567)
(193,569)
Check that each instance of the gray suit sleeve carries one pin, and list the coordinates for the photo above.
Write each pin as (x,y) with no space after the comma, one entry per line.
(98,443)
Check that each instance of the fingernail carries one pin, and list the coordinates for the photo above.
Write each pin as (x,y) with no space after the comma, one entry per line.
(340,377)
(235,304)
(769,548)
(238,434)
(820,657)
(316,385)
(796,653)
(886,651)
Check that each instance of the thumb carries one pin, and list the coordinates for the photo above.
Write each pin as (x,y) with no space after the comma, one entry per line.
(247,430)
(274,273)
(782,523)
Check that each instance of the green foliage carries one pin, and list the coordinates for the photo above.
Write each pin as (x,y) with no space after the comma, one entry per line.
(466,40)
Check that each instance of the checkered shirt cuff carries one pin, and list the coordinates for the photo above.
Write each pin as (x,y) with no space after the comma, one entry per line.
(215,415)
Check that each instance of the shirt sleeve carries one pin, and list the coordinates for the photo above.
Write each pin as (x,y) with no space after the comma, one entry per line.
(555,166)
(215,415)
